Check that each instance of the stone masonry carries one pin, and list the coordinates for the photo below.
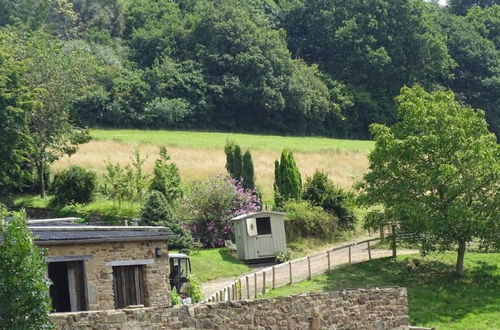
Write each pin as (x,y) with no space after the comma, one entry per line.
(99,276)
(384,308)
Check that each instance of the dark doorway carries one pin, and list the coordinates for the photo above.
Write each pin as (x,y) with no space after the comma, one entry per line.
(67,291)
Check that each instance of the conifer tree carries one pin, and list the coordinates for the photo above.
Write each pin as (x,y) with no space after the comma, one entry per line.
(229,151)
(247,171)
(288,182)
(237,162)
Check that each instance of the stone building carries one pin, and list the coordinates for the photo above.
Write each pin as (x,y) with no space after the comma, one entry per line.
(104,267)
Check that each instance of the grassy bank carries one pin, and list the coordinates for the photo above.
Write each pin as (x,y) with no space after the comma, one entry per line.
(437,297)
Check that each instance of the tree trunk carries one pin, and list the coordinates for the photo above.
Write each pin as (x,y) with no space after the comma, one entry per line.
(41,180)
(459,268)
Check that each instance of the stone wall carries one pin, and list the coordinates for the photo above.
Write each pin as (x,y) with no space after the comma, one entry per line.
(385,308)
(99,276)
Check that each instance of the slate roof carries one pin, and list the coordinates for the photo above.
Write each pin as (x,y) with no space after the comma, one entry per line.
(92,235)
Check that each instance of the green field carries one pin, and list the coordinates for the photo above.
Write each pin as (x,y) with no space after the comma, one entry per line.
(437,297)
(218,140)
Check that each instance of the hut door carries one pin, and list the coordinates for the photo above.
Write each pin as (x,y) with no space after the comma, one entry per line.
(265,243)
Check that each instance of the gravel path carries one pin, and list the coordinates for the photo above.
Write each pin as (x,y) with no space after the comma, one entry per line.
(252,284)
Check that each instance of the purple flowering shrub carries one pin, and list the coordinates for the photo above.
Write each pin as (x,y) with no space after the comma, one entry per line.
(211,204)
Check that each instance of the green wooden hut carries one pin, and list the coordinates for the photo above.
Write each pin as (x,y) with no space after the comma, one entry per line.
(259,235)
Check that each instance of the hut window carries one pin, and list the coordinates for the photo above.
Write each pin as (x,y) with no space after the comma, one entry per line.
(128,282)
(264,226)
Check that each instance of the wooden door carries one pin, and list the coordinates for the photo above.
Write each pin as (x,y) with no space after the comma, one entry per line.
(128,285)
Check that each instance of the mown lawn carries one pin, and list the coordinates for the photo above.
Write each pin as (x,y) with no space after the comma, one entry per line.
(218,140)
(437,297)
(209,264)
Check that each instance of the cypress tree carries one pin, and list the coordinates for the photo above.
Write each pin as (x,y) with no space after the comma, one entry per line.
(237,162)
(247,171)
(229,151)
(288,182)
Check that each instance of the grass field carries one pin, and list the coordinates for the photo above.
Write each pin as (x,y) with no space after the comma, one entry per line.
(200,155)
(215,140)
(437,297)
(209,264)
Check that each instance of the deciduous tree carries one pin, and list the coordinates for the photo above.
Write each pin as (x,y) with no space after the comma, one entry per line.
(436,173)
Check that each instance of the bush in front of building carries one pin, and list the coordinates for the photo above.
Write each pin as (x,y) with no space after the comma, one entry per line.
(24,289)
(74,185)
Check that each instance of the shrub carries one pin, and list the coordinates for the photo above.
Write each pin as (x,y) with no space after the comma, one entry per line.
(24,289)
(175,298)
(75,185)
(194,289)
(210,205)
(287,180)
(319,190)
(306,220)
(157,212)
(166,178)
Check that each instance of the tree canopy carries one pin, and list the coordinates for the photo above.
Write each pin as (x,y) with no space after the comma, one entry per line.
(436,173)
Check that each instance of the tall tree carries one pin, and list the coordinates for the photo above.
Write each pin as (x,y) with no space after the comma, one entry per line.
(58,75)
(287,179)
(23,282)
(247,171)
(30,13)
(237,162)
(460,7)
(15,102)
(436,173)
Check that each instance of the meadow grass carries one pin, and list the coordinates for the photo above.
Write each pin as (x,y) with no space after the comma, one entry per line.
(198,163)
(209,264)
(437,296)
(215,140)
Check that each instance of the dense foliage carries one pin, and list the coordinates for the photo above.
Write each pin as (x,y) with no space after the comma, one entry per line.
(436,173)
(327,67)
(74,185)
(210,205)
(166,178)
(240,167)
(24,289)
(319,190)
(306,220)
(156,211)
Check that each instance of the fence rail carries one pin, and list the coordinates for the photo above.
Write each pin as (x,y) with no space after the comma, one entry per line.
(251,286)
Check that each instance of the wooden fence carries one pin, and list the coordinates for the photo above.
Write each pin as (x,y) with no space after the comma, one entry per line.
(253,285)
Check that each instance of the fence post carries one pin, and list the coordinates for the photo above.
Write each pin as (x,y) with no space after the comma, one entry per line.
(255,283)
(309,267)
(274,278)
(393,241)
(233,291)
(263,282)
(382,233)
(369,251)
(290,271)
(239,294)
(225,289)
(222,295)
(248,287)
(329,262)
(350,259)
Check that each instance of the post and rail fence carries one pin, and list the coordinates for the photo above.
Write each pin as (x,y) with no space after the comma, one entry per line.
(293,271)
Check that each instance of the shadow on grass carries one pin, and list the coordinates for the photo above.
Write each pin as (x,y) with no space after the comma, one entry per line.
(435,293)
(228,256)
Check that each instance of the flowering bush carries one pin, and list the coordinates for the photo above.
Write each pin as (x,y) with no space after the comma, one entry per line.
(211,204)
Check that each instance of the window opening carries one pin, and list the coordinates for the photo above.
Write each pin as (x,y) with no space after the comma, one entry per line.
(264,226)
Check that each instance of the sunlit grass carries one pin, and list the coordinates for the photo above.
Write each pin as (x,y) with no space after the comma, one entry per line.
(437,297)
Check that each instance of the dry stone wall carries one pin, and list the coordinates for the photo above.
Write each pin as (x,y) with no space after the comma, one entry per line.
(384,308)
